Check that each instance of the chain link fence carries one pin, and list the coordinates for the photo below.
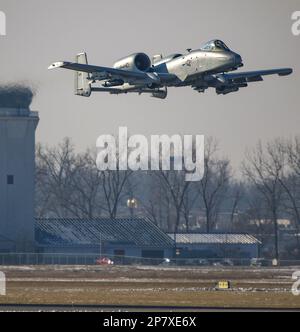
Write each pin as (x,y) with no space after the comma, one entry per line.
(95,259)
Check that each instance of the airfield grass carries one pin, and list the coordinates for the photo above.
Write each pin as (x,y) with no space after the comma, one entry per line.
(142,294)
(110,287)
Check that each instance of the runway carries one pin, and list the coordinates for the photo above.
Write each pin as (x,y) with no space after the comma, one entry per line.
(130,308)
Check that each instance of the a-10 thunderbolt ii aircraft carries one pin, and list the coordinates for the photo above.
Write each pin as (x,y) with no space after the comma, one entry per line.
(209,66)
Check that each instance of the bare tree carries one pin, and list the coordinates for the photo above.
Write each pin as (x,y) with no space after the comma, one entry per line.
(86,185)
(113,183)
(251,219)
(175,187)
(290,180)
(151,200)
(56,168)
(70,185)
(293,151)
(264,168)
(214,184)
(292,183)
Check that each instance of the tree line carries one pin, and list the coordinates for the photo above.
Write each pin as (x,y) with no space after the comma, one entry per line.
(265,191)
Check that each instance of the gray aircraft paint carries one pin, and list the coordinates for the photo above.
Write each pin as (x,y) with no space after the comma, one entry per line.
(199,69)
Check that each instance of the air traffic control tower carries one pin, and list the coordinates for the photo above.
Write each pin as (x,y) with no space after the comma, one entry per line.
(17,168)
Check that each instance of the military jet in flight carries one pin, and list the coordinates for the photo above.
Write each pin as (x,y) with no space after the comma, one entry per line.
(209,66)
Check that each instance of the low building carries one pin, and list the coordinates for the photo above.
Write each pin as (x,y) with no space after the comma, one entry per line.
(200,245)
(119,238)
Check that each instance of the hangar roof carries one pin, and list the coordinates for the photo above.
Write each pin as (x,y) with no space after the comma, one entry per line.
(139,232)
(201,238)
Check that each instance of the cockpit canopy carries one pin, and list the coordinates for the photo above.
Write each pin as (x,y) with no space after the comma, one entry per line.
(214,45)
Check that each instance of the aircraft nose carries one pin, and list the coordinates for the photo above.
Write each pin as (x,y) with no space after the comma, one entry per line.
(238,60)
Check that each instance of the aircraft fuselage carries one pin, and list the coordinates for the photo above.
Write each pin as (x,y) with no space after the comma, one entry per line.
(195,64)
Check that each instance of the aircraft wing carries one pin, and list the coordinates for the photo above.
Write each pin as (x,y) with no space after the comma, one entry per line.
(98,72)
(254,76)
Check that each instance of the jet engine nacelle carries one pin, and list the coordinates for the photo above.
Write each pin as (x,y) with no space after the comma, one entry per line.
(135,62)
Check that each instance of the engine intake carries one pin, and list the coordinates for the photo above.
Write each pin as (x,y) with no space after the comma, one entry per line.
(135,62)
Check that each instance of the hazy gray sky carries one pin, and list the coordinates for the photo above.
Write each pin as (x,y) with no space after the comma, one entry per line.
(41,31)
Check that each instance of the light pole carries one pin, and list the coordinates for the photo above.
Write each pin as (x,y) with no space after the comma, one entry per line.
(132,204)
